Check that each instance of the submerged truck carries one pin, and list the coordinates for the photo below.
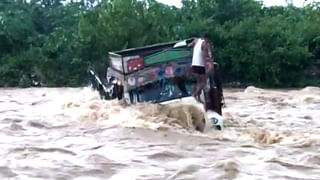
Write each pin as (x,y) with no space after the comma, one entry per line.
(157,73)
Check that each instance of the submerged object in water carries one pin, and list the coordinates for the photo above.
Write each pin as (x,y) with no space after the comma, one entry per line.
(214,119)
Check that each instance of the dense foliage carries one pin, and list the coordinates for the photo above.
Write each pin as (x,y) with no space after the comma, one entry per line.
(54,41)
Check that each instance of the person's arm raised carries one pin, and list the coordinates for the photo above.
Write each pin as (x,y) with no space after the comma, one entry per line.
(192,43)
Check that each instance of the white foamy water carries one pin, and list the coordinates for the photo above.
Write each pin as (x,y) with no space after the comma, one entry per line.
(69,133)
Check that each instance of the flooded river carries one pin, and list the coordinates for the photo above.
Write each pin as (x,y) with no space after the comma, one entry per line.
(69,134)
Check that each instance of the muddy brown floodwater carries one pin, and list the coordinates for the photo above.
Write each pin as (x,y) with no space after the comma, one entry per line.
(69,133)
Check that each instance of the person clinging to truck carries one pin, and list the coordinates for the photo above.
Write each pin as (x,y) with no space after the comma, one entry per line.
(201,63)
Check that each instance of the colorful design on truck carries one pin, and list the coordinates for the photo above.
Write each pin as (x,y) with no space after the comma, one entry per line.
(156,73)
(132,81)
(169,70)
(135,64)
(151,76)
(167,56)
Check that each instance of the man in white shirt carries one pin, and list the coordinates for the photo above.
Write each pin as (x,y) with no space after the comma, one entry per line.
(201,63)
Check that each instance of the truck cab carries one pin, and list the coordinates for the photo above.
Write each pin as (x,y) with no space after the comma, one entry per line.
(157,73)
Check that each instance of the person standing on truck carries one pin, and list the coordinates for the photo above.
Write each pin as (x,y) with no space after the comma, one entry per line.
(201,63)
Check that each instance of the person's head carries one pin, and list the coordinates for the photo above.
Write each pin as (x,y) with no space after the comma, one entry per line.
(205,36)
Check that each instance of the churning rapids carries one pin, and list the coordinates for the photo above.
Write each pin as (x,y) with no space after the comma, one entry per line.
(68,133)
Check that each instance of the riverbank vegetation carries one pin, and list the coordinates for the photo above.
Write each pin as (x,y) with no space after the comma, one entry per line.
(54,42)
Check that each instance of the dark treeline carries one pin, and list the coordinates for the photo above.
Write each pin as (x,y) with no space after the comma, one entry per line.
(55,42)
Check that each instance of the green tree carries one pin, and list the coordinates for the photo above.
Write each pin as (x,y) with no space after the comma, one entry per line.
(55,41)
